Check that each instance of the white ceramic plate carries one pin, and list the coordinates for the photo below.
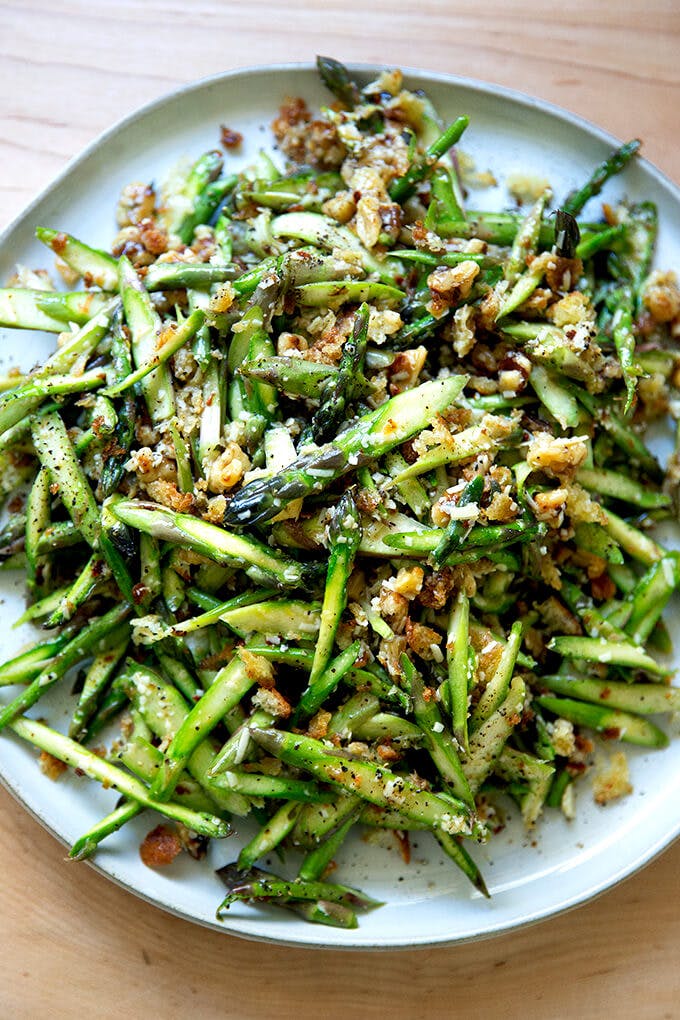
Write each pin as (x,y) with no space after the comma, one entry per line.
(562,864)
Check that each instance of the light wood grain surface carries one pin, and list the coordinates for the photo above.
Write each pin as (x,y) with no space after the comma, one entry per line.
(72,943)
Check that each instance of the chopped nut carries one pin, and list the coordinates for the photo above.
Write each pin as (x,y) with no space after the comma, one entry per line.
(389,654)
(510,382)
(448,286)
(408,582)
(550,506)
(424,640)
(437,588)
(502,507)
(196,846)
(426,240)
(405,370)
(556,618)
(562,274)
(653,393)
(214,512)
(290,344)
(392,607)
(368,222)
(169,495)
(137,202)
(223,299)
(69,276)
(128,242)
(383,323)
(152,237)
(582,508)
(228,468)
(560,457)
(463,330)
(340,207)
(662,296)
(387,752)
(602,587)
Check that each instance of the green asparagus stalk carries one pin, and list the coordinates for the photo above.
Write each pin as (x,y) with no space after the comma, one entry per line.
(496,690)
(454,849)
(260,561)
(113,778)
(344,538)
(364,779)
(439,743)
(336,78)
(373,435)
(164,710)
(226,691)
(145,328)
(488,742)
(624,341)
(615,653)
(272,888)
(458,528)
(325,233)
(333,409)
(97,679)
(250,400)
(518,766)
(180,336)
(93,265)
(86,845)
(57,455)
(270,835)
(614,723)
(38,513)
(178,275)
(526,240)
(89,640)
(261,886)
(650,596)
(403,187)
(599,177)
(52,311)
(320,859)
(326,682)
(295,376)
(18,404)
(638,698)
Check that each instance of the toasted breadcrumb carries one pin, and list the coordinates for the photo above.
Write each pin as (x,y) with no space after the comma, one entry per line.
(562,737)
(50,766)
(160,847)
(272,701)
(258,669)
(611,780)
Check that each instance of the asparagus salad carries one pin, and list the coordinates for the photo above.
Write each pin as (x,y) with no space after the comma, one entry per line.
(334,498)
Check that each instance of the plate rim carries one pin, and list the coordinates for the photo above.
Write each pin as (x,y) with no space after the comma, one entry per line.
(474,84)
(538,917)
(517,97)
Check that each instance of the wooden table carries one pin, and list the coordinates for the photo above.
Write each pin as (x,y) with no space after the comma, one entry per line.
(74,944)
